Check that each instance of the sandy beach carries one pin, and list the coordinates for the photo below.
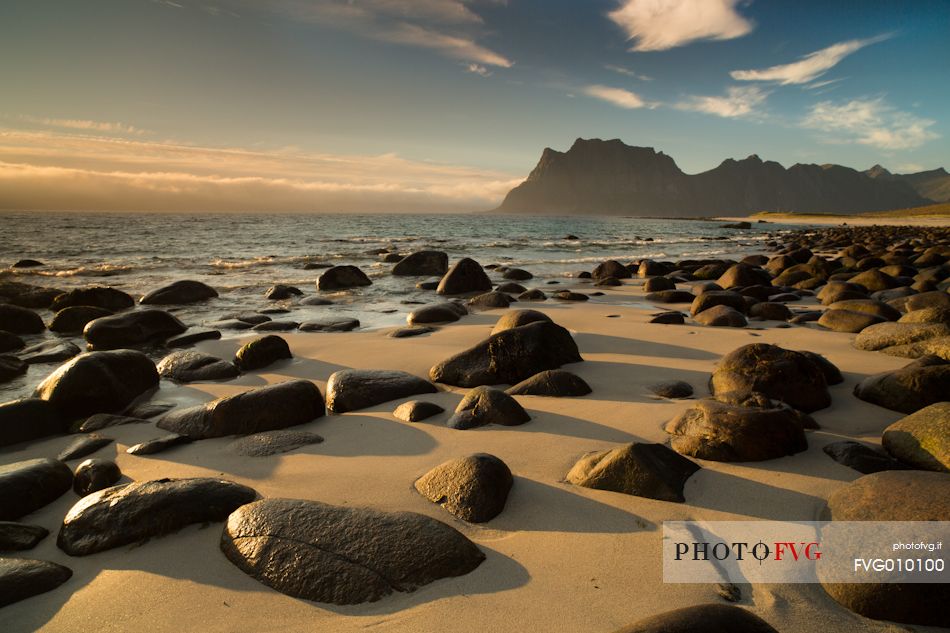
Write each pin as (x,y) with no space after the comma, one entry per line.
(559,557)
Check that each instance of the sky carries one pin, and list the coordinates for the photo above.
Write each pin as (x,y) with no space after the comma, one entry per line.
(444,105)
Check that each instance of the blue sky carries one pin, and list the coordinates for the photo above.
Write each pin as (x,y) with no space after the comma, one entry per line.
(365,105)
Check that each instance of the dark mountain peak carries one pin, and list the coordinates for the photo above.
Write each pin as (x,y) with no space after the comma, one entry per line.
(597,176)
(878,172)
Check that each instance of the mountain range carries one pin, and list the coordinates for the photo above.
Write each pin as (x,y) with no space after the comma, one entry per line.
(600,177)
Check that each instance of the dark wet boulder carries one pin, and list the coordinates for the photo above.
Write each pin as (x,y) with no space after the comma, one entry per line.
(22,578)
(511,288)
(716,298)
(650,268)
(193,366)
(568,295)
(16,537)
(416,411)
(407,332)
(73,319)
(927,315)
(139,511)
(132,328)
(48,352)
(29,485)
(159,444)
(611,268)
(672,389)
(228,324)
(919,384)
(473,488)
(180,292)
(830,371)
(342,555)
(466,276)
(847,321)
(703,618)
(191,337)
(867,306)
(557,383)
(770,311)
(422,263)
(643,470)
(721,316)
(342,278)
(82,446)
(17,320)
(781,374)
(28,263)
(94,475)
(669,318)
(489,301)
(932,299)
(281,292)
(517,318)
(273,442)
(263,409)
(509,356)
(276,326)
(445,312)
(727,433)
(532,295)
(671,296)
(874,280)
(11,367)
(339,324)
(98,382)
(99,421)
(10,342)
(608,282)
(352,389)
(657,284)
(861,457)
(881,336)
(97,297)
(148,409)
(517,274)
(894,495)
(741,275)
(28,419)
(922,439)
(262,352)
(484,405)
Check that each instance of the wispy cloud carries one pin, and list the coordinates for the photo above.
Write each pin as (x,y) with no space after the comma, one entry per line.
(656,25)
(457,47)
(627,72)
(739,101)
(616,96)
(871,122)
(84,124)
(52,170)
(448,26)
(809,67)
(478,69)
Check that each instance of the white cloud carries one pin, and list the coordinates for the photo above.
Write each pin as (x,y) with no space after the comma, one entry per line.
(809,67)
(617,96)
(657,25)
(737,102)
(53,170)
(869,122)
(627,72)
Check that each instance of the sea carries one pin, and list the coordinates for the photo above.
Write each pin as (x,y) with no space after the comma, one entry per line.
(241,255)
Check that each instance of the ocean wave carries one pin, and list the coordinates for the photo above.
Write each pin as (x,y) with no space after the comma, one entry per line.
(97,270)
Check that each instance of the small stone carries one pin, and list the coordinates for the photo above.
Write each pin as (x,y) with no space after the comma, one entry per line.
(416,411)
(93,475)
